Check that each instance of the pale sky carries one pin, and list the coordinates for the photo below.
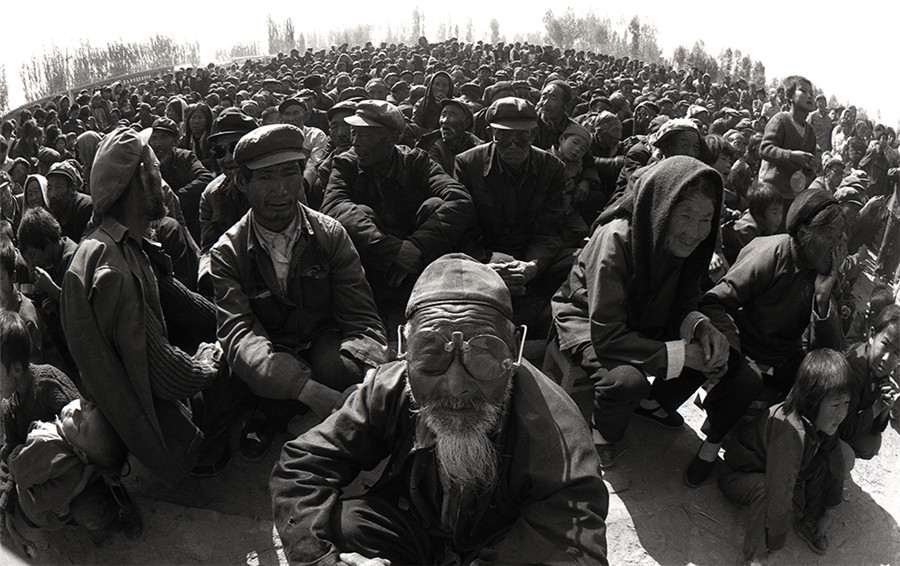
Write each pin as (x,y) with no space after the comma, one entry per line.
(851,52)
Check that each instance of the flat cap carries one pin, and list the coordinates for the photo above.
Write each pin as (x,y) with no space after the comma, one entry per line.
(576,129)
(462,105)
(671,127)
(294,101)
(269,145)
(511,113)
(166,126)
(806,206)
(232,121)
(377,114)
(832,160)
(353,92)
(850,195)
(459,279)
(342,109)
(68,170)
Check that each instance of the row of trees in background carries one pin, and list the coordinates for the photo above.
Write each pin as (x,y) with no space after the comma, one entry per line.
(56,69)
(730,62)
(636,40)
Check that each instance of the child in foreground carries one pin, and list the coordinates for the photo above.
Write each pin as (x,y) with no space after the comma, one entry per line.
(66,473)
(786,463)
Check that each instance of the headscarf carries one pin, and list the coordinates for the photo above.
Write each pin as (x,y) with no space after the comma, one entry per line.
(42,182)
(649,209)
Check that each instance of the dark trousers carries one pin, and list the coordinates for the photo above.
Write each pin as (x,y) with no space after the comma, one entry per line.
(376,527)
(619,388)
(329,367)
(725,403)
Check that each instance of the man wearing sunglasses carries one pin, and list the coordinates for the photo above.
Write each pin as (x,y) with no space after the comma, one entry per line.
(518,194)
(222,204)
(489,460)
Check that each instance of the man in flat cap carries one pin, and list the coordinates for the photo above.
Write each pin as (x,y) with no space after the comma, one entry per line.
(778,287)
(453,135)
(489,460)
(112,309)
(181,169)
(518,194)
(296,316)
(71,208)
(338,142)
(222,204)
(297,111)
(400,208)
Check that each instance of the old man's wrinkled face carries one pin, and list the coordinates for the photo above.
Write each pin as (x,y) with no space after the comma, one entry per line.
(460,363)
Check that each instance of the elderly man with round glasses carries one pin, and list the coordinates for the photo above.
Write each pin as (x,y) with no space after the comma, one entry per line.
(489,461)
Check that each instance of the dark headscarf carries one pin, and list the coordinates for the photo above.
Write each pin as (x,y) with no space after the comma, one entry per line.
(649,208)
(428,111)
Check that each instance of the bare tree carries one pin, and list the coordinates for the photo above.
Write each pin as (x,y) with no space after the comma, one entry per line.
(495,31)
(4,90)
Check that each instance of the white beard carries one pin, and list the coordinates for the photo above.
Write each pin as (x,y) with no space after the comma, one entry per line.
(465,452)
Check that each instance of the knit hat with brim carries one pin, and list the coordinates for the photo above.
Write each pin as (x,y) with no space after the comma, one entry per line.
(118,155)
(459,279)
(806,206)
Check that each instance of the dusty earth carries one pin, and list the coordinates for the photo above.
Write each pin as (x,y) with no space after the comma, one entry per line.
(653,517)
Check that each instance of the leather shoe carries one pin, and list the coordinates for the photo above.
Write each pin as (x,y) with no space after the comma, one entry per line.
(672,421)
(697,472)
(608,455)
(812,536)
(256,438)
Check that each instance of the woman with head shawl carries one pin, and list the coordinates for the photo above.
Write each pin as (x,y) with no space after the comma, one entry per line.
(629,307)
(35,192)
(427,110)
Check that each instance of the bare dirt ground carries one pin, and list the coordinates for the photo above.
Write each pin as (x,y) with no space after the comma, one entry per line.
(653,518)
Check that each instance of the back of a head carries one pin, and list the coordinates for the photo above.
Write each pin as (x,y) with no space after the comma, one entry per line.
(37,229)
(15,340)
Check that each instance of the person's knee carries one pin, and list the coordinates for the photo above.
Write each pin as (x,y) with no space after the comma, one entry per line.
(428,207)
(624,382)
(746,382)
(331,366)
(867,447)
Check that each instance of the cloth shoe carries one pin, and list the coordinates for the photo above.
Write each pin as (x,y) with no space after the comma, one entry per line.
(608,455)
(672,421)
(214,469)
(812,536)
(256,437)
(697,472)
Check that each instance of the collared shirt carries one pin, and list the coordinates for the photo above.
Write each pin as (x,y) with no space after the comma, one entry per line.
(279,245)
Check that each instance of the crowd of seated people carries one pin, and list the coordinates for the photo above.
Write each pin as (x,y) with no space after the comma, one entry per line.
(347,231)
